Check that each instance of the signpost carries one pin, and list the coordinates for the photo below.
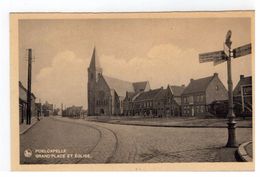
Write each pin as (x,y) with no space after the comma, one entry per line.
(212,56)
(219,57)
(241,51)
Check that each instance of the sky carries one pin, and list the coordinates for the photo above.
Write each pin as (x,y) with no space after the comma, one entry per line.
(162,51)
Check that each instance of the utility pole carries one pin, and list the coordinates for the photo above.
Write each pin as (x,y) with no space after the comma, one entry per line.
(28,120)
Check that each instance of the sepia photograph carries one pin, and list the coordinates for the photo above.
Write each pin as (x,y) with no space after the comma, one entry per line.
(154,91)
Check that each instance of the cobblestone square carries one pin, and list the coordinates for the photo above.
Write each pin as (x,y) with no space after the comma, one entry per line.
(97,142)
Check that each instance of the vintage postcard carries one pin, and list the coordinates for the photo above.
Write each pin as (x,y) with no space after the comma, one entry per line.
(132,91)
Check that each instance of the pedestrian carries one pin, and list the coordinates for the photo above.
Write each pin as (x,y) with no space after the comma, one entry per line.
(38,115)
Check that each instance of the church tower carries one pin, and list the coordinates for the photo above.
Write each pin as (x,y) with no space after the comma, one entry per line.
(94,70)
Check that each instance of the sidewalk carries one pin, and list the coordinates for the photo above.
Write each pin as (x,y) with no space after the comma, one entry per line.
(245,151)
(24,127)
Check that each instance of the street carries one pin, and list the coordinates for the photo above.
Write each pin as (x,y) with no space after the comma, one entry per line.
(96,142)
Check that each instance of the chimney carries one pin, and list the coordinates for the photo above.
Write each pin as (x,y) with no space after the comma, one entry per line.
(183,85)
(215,74)
(242,77)
(191,79)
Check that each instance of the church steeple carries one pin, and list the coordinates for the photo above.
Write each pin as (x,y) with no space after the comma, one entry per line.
(94,63)
(94,71)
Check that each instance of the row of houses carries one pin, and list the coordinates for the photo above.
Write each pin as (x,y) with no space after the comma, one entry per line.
(158,102)
(193,100)
(37,109)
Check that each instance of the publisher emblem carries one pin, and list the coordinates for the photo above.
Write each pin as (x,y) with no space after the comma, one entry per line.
(28,153)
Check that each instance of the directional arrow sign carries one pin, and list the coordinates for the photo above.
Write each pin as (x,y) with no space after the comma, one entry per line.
(241,51)
(212,56)
(216,62)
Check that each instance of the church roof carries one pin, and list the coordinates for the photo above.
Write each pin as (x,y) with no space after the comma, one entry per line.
(120,86)
(198,85)
(140,86)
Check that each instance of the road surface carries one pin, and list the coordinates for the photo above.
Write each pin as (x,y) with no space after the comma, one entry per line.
(52,139)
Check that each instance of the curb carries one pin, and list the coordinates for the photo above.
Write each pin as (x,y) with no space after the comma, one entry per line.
(243,154)
(176,126)
(24,131)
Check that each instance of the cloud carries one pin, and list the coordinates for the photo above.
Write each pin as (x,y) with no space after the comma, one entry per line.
(163,64)
(64,81)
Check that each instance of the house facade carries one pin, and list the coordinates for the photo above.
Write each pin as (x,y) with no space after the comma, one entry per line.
(154,103)
(144,103)
(243,96)
(200,93)
(23,103)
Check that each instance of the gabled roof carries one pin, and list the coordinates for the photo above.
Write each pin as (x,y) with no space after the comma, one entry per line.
(140,86)
(177,100)
(176,90)
(198,85)
(131,94)
(148,95)
(120,86)
(243,81)
(161,95)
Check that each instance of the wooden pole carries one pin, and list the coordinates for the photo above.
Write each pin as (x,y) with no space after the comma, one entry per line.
(28,120)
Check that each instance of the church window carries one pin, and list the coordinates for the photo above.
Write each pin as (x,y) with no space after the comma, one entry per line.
(91,76)
(101,94)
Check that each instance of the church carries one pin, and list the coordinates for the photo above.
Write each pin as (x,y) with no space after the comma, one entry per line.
(106,94)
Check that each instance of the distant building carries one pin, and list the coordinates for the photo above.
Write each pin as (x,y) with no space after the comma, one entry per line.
(23,103)
(84,113)
(243,96)
(56,111)
(73,111)
(38,107)
(200,93)
(47,109)
(106,94)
